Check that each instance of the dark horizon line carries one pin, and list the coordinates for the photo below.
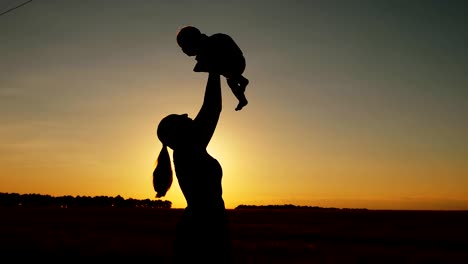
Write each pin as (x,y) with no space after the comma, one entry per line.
(12,198)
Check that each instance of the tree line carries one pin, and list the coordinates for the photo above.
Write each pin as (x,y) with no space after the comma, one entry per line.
(291,206)
(68,201)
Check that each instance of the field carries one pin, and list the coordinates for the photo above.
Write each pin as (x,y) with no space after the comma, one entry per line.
(258,235)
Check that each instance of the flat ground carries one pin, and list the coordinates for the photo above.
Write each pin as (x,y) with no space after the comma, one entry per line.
(259,235)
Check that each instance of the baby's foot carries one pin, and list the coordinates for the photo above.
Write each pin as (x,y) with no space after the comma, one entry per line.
(241,104)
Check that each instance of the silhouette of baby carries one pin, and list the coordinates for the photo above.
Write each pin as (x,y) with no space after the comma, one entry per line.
(216,53)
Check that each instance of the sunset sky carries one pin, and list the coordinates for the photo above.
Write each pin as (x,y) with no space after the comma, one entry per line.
(351,103)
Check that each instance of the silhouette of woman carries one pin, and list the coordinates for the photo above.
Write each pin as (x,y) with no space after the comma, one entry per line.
(202,232)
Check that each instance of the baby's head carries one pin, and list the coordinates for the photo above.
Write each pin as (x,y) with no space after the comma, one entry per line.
(188,38)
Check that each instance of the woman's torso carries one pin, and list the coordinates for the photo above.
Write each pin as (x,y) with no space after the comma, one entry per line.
(199,176)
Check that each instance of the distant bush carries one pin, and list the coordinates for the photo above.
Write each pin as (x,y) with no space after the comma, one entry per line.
(291,206)
(29,200)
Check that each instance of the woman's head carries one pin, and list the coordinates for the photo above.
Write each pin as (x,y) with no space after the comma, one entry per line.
(188,38)
(173,130)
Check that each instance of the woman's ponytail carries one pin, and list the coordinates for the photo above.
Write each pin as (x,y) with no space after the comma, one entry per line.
(162,174)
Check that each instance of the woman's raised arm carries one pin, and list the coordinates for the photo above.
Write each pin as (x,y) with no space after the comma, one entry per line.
(208,116)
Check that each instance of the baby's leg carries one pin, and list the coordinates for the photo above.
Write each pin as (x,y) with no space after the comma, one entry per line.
(243,82)
(238,90)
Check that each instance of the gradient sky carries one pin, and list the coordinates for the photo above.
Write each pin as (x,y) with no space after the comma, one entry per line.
(351,103)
